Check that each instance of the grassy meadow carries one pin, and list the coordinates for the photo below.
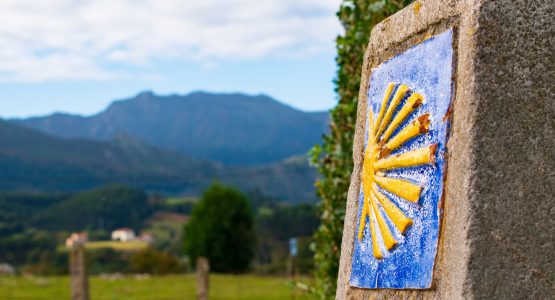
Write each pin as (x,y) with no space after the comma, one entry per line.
(153,288)
(116,245)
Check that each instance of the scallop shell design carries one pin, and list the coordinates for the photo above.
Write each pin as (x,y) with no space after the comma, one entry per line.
(398,104)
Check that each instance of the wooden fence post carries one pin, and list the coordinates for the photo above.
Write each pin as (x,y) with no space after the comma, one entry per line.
(78,272)
(203,282)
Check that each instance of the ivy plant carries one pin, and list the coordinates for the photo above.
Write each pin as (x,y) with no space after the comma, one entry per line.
(333,158)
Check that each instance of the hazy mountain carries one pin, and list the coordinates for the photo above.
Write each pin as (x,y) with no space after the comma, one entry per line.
(30,160)
(228,128)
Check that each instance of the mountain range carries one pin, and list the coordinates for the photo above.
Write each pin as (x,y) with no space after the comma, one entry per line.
(233,129)
(172,144)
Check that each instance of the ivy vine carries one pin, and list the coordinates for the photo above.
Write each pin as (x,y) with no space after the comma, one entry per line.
(334,159)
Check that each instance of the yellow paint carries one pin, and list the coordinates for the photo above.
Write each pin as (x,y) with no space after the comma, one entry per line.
(387,237)
(414,101)
(376,159)
(386,97)
(362,224)
(401,221)
(367,179)
(416,7)
(413,158)
(375,245)
(367,172)
(399,95)
(368,164)
(416,127)
(399,187)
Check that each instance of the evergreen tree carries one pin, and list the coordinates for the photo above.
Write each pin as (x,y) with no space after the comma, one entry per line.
(221,229)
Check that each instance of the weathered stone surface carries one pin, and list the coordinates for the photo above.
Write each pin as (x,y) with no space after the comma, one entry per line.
(498,236)
(511,233)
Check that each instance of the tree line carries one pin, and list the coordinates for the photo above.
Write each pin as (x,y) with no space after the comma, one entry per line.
(224,224)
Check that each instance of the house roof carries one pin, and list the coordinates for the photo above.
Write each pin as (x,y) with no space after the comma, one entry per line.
(124,229)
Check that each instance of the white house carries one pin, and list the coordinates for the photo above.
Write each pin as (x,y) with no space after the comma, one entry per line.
(123,235)
(7,269)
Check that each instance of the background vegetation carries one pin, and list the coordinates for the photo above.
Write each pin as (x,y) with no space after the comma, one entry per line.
(106,208)
(334,157)
(222,230)
(34,226)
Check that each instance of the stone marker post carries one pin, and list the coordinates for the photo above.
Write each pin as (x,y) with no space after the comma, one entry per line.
(203,278)
(453,187)
(78,273)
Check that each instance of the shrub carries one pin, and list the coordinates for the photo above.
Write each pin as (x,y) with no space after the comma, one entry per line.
(334,158)
(221,229)
(154,262)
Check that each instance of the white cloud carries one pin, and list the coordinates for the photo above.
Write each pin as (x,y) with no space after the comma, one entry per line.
(83,39)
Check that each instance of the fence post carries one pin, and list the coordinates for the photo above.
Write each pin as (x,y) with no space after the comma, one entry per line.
(78,273)
(203,282)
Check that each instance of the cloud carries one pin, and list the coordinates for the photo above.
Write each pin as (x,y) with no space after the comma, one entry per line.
(62,39)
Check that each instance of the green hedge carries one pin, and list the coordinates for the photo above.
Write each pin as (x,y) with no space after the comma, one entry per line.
(334,157)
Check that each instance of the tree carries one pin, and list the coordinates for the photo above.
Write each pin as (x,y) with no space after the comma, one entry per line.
(104,208)
(334,158)
(221,229)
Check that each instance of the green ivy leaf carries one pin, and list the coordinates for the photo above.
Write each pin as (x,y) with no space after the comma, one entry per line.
(333,159)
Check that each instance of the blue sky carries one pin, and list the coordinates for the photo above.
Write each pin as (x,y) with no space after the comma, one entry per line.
(78,56)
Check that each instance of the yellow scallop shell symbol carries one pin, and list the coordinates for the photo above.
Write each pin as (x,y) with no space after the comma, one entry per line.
(378,160)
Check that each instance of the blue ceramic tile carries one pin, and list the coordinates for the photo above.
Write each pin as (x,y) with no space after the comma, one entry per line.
(427,70)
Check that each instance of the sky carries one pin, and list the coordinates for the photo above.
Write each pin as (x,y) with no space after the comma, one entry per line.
(77,56)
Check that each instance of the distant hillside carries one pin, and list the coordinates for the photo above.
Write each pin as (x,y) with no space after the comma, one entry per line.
(228,128)
(30,160)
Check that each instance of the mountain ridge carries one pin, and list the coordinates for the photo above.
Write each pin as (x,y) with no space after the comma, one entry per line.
(234,129)
(34,161)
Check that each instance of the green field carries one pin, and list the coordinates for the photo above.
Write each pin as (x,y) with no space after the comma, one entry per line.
(172,201)
(121,246)
(124,246)
(152,288)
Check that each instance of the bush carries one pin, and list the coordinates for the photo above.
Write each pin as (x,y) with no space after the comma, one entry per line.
(154,262)
(106,260)
(334,159)
(221,229)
